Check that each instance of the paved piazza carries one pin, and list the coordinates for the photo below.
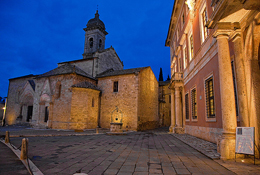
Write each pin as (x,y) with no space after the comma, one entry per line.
(137,153)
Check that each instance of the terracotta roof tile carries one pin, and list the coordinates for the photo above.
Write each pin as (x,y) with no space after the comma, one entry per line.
(120,72)
(66,69)
(86,84)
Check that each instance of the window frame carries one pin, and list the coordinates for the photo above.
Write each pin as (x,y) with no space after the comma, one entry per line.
(187,111)
(194,104)
(191,51)
(115,86)
(207,109)
(184,54)
(203,8)
(93,102)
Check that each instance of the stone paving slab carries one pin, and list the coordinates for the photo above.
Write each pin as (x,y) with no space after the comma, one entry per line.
(28,131)
(10,163)
(147,152)
(241,166)
(135,153)
(205,147)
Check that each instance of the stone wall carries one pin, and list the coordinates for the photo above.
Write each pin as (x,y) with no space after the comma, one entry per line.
(147,100)
(84,108)
(85,64)
(13,108)
(59,103)
(206,133)
(164,105)
(99,62)
(125,99)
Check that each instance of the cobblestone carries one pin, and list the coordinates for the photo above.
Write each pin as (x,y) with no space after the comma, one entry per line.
(203,146)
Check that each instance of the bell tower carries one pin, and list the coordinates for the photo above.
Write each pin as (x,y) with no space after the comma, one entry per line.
(95,36)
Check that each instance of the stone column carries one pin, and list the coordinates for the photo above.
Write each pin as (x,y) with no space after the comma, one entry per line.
(178,111)
(228,109)
(240,80)
(49,122)
(173,119)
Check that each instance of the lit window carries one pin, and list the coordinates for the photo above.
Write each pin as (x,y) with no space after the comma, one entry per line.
(204,22)
(187,106)
(191,47)
(179,63)
(210,98)
(115,88)
(185,61)
(194,104)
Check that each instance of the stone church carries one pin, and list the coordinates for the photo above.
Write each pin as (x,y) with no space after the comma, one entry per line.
(86,93)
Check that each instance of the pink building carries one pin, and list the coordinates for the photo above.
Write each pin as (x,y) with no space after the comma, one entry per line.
(215,69)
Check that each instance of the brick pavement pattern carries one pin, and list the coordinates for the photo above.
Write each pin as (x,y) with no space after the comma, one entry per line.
(137,153)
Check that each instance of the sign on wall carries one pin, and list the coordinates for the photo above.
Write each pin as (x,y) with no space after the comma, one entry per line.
(245,140)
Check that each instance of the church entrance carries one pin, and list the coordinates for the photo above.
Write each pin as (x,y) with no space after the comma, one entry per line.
(29,113)
(46,114)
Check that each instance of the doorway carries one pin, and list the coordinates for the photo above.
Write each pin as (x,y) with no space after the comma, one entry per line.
(46,114)
(29,113)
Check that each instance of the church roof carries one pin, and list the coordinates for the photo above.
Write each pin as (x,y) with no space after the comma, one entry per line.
(26,76)
(95,55)
(96,23)
(112,72)
(66,69)
(86,84)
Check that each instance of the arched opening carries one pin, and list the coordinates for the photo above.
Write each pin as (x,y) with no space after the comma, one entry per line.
(44,108)
(26,110)
(93,102)
(91,42)
(100,44)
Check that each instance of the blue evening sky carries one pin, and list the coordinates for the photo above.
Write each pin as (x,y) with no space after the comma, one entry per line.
(35,35)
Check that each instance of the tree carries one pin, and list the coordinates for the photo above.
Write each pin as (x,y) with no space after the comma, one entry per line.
(161,75)
(168,78)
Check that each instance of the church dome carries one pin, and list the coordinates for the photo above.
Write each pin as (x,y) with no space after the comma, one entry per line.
(95,23)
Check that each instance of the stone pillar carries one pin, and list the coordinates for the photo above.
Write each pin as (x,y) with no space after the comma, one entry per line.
(49,122)
(24,149)
(7,137)
(173,119)
(229,121)
(240,80)
(178,111)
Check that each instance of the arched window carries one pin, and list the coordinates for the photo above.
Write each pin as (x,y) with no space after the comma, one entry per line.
(100,44)
(93,102)
(91,42)
(59,91)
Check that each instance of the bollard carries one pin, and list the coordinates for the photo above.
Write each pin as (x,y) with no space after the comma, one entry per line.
(24,149)
(7,140)
(97,130)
